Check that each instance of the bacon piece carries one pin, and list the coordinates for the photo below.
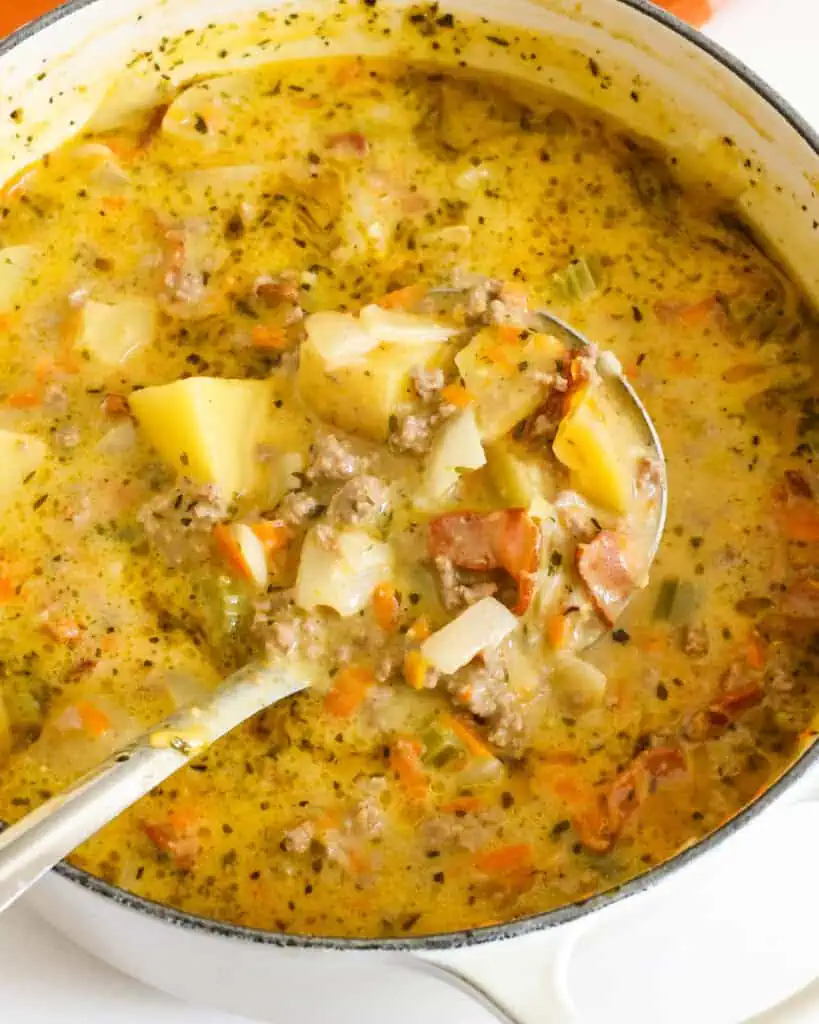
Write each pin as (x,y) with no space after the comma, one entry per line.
(348,144)
(726,708)
(802,599)
(482,541)
(603,568)
(599,825)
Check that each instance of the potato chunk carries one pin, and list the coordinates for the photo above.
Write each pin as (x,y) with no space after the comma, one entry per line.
(519,476)
(111,333)
(501,373)
(15,261)
(341,570)
(20,454)
(206,428)
(597,444)
(362,396)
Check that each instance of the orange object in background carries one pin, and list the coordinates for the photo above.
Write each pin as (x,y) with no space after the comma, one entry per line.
(697,12)
(14,13)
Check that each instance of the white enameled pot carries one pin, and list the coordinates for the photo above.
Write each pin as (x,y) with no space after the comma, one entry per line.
(714,115)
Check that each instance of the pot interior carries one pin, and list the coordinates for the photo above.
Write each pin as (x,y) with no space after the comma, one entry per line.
(618,58)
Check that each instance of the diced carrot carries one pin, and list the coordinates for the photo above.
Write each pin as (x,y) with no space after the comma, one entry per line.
(348,691)
(268,337)
(405,761)
(94,720)
(755,651)
(25,399)
(469,736)
(8,591)
(457,395)
(557,630)
(274,535)
(403,298)
(463,805)
(508,334)
(229,548)
(64,631)
(419,630)
(415,669)
(386,607)
(513,859)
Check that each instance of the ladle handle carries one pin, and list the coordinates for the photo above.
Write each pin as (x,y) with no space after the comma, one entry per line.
(45,836)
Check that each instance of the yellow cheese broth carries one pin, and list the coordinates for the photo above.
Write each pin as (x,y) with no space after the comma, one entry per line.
(534,192)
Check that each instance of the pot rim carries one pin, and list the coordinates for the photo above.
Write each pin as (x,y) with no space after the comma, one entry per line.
(550,918)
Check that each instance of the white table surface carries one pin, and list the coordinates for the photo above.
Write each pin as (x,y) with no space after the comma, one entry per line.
(43,978)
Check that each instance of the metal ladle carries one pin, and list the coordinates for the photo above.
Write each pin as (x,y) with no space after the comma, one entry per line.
(44,837)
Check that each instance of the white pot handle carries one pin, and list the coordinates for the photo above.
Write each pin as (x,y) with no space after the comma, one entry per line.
(731,935)
(521,980)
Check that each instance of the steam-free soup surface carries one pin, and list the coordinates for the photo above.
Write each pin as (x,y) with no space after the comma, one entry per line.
(199,471)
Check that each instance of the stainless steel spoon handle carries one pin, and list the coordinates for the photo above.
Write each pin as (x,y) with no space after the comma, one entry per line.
(40,840)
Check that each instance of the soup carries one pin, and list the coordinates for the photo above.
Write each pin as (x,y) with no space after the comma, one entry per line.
(275,386)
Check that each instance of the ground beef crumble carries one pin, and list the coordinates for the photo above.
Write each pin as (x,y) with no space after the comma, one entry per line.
(179,521)
(360,502)
(332,458)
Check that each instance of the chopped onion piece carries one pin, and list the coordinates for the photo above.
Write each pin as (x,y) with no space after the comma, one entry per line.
(456,449)
(581,683)
(341,570)
(396,328)
(482,626)
(338,338)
